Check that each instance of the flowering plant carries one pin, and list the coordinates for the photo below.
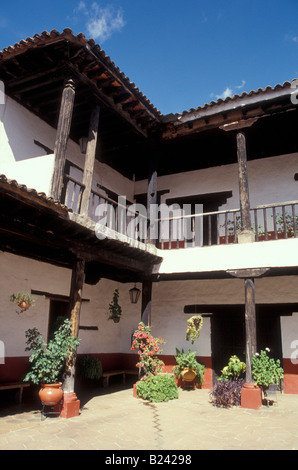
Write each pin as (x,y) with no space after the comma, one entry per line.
(148,348)
(265,370)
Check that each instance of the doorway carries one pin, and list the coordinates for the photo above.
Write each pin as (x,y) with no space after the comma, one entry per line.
(228,333)
(59,311)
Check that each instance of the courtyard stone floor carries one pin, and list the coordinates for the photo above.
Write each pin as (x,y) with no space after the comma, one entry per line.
(111,419)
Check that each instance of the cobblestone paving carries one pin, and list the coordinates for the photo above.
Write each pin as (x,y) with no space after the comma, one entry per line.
(115,420)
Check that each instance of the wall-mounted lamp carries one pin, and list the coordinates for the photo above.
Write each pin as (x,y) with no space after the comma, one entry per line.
(134,294)
(83,141)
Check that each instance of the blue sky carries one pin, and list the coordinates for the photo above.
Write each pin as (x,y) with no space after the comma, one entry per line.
(179,54)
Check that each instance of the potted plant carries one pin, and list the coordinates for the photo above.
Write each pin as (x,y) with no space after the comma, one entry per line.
(188,368)
(266,371)
(23,299)
(48,360)
(194,326)
(114,308)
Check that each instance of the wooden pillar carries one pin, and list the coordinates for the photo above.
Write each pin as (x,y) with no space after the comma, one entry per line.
(62,136)
(246,227)
(146,302)
(250,326)
(151,207)
(90,159)
(77,282)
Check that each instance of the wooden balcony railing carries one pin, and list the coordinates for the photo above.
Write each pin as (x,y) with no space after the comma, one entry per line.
(181,230)
(72,193)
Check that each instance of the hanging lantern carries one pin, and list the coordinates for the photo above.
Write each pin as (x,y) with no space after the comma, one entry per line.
(134,294)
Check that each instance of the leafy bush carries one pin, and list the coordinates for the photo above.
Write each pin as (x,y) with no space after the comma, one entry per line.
(188,360)
(227,393)
(233,370)
(48,360)
(89,367)
(265,370)
(157,388)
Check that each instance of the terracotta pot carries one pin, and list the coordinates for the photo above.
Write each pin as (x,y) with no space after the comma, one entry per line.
(188,375)
(24,305)
(51,394)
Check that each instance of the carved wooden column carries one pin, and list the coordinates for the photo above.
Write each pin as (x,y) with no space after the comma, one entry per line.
(62,136)
(90,159)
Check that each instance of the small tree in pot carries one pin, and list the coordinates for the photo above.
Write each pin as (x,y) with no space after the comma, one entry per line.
(48,360)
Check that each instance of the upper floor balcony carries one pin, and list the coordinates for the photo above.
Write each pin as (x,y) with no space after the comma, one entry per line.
(140,167)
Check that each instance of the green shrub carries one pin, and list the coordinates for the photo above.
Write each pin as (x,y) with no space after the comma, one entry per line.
(157,388)
(89,367)
(233,370)
(266,370)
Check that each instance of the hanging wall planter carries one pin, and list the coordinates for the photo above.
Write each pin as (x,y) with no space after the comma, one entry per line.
(194,325)
(114,308)
(23,299)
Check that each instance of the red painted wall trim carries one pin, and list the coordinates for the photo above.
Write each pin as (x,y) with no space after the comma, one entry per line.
(15,368)
(291,377)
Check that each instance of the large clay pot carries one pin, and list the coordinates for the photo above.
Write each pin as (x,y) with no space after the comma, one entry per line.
(51,394)
(188,375)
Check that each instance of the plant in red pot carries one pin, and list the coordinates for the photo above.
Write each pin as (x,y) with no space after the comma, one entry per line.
(48,360)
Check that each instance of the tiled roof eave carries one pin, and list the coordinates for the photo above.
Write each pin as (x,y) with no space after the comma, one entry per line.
(52,37)
(236,102)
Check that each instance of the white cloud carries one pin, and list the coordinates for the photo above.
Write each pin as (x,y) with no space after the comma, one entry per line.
(101,22)
(228,91)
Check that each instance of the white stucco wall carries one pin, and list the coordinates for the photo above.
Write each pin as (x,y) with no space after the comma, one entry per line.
(21,159)
(270,180)
(266,254)
(289,330)
(168,301)
(18,273)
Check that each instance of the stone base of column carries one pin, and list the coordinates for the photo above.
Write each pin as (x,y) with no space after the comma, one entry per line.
(251,396)
(246,236)
(71,405)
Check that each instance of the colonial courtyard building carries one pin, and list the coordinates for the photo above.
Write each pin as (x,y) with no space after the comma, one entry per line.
(100,191)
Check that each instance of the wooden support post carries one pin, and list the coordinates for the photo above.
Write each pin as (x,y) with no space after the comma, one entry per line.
(251,395)
(90,159)
(71,404)
(151,207)
(250,326)
(63,130)
(246,228)
(146,302)
(77,281)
